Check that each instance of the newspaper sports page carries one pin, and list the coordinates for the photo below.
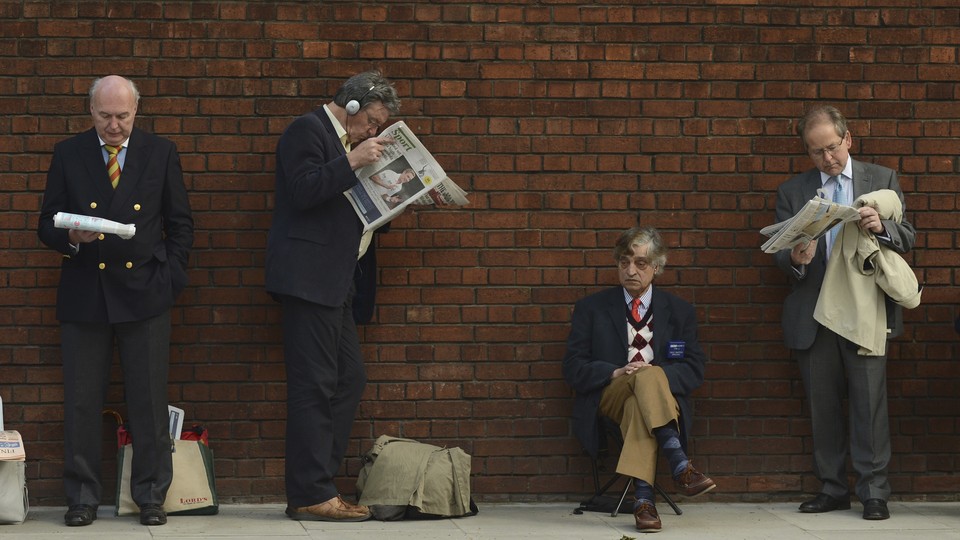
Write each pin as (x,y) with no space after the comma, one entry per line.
(405,174)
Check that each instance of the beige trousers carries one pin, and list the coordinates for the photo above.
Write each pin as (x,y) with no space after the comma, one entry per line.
(640,403)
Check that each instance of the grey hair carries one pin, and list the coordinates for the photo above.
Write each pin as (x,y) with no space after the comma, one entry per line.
(95,87)
(822,115)
(640,236)
(366,88)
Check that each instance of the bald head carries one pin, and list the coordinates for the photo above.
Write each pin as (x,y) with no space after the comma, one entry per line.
(113,106)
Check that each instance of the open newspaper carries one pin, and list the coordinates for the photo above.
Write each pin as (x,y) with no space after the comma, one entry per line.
(817,216)
(405,174)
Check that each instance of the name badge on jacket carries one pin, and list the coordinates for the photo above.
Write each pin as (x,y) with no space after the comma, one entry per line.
(675,349)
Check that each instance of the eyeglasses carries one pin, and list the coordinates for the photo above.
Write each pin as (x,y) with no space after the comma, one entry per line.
(641,263)
(832,150)
(372,123)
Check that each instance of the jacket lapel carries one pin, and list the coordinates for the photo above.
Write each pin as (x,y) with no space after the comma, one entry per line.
(862,181)
(133,166)
(662,328)
(811,184)
(616,314)
(328,125)
(91,155)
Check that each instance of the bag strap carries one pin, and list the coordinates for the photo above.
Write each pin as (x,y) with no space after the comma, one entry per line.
(195,433)
(123,436)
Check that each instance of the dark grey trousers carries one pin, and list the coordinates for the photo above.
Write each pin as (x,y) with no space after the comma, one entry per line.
(144,348)
(832,370)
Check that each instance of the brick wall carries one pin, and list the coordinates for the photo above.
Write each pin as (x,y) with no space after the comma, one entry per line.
(567,122)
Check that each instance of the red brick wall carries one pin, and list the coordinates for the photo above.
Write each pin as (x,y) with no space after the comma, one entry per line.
(567,122)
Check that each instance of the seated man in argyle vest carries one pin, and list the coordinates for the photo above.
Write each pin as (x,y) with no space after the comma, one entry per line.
(633,356)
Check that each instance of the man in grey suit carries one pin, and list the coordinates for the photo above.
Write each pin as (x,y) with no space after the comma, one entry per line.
(830,365)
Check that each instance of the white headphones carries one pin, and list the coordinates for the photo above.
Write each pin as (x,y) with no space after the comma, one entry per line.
(353,106)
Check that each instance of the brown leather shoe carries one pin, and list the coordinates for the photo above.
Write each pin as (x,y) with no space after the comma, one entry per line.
(692,482)
(359,508)
(648,520)
(335,509)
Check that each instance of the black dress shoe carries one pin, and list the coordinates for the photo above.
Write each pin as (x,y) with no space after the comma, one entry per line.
(824,503)
(875,509)
(152,514)
(79,515)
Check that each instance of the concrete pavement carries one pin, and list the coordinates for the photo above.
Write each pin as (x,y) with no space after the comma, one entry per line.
(505,521)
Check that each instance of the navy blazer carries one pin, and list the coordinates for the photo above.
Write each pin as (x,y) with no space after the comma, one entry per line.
(799,326)
(598,345)
(115,280)
(315,234)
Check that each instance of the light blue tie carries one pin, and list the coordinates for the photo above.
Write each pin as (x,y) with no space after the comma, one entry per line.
(837,198)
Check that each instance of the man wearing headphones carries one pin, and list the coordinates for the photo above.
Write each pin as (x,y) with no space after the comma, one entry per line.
(313,247)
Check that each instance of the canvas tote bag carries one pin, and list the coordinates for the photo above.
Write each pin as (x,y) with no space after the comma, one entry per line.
(193,489)
(14,499)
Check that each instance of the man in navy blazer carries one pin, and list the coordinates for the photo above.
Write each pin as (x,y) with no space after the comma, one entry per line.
(116,290)
(314,243)
(830,366)
(633,356)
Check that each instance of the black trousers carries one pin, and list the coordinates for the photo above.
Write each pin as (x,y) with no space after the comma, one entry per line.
(325,382)
(87,351)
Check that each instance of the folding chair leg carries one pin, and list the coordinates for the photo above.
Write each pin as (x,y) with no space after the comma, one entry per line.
(668,499)
(595,502)
(626,488)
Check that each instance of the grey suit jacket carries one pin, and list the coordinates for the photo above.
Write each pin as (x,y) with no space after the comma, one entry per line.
(799,326)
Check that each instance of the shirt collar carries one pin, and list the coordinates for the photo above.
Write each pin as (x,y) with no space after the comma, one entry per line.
(341,132)
(847,173)
(644,298)
(122,145)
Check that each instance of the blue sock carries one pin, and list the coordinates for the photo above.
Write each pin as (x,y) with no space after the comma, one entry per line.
(643,492)
(668,438)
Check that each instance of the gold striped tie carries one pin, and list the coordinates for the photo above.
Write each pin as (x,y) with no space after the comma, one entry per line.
(113,166)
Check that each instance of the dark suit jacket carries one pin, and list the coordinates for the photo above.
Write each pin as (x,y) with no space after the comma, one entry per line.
(315,234)
(141,277)
(799,326)
(598,345)
(365,281)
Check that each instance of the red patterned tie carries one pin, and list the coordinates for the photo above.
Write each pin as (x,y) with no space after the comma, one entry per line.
(635,309)
(113,166)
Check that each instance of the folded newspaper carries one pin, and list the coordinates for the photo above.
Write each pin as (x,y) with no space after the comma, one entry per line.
(405,174)
(11,446)
(80,222)
(817,216)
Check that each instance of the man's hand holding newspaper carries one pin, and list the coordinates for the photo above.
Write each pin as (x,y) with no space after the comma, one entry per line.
(405,174)
(817,216)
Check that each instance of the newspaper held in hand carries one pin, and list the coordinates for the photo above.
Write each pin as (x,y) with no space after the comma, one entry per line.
(80,222)
(817,216)
(405,174)
(11,446)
